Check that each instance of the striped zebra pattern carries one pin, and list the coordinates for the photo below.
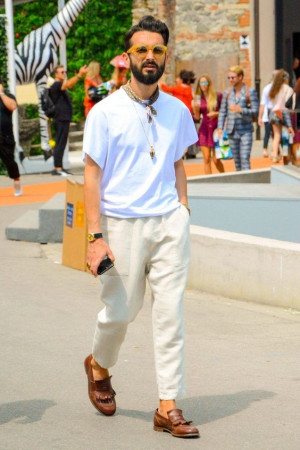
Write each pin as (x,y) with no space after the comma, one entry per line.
(36,56)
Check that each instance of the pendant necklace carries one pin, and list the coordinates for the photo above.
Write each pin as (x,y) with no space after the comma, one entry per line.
(150,111)
(152,151)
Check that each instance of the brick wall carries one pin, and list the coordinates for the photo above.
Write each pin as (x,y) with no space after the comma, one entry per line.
(205,35)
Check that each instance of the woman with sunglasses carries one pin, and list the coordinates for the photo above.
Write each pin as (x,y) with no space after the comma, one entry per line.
(207,104)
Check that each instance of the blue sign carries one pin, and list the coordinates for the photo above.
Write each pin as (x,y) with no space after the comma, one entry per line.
(69,216)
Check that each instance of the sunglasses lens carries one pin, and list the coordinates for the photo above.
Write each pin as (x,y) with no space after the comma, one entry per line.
(141,51)
(158,50)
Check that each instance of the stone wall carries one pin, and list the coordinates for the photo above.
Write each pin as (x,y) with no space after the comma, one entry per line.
(206,35)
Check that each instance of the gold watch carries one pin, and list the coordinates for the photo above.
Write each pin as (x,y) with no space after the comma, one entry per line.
(93,236)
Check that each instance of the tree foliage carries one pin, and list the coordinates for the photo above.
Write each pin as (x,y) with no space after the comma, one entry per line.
(96,35)
(3,53)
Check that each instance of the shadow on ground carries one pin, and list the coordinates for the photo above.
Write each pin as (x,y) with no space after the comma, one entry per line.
(208,408)
(27,411)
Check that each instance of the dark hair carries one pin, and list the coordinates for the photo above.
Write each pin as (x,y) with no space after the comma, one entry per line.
(187,76)
(147,23)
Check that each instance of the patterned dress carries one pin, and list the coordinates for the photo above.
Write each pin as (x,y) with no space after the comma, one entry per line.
(208,125)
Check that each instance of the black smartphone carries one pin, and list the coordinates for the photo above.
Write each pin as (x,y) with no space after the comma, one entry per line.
(104,266)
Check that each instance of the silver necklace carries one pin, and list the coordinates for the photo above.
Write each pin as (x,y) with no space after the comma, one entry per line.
(150,111)
(152,151)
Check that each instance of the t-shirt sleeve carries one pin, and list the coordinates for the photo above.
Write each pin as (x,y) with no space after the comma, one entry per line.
(95,139)
(264,97)
(186,135)
(56,87)
(55,91)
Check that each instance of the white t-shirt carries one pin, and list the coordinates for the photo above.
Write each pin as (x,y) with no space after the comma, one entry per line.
(278,103)
(265,100)
(133,184)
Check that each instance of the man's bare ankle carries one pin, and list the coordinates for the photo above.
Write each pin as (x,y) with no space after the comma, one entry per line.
(99,372)
(165,406)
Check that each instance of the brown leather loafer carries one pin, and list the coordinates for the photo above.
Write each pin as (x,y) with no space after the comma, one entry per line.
(175,424)
(100,392)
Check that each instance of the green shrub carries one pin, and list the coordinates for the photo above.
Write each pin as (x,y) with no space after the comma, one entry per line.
(3,52)
(32,111)
(3,170)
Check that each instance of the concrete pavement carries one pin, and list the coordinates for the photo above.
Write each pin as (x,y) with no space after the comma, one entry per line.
(242,364)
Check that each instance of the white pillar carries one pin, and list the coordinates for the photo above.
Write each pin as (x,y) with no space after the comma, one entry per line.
(62,46)
(11,64)
(63,62)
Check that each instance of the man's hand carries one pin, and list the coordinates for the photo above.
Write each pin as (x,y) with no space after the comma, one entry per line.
(291,131)
(8,102)
(82,71)
(260,122)
(235,108)
(219,133)
(213,114)
(69,84)
(96,252)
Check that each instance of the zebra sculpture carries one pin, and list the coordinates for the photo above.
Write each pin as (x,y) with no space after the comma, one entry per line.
(36,56)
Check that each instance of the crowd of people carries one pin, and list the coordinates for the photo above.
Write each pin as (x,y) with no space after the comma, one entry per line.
(234,111)
(95,90)
(135,192)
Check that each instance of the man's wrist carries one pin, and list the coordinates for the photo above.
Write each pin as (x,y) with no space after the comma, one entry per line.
(92,237)
(78,77)
(186,205)
(2,93)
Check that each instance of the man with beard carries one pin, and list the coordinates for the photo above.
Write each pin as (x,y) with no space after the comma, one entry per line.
(138,216)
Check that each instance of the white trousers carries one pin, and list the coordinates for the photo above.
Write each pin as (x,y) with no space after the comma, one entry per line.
(156,248)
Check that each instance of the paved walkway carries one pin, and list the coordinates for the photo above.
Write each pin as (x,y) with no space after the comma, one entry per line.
(242,363)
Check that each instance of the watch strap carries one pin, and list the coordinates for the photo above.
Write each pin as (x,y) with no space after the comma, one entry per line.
(97,235)
(93,236)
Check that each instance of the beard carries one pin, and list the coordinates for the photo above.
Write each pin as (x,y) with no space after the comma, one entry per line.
(150,77)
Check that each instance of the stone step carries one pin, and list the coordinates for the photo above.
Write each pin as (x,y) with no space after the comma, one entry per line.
(42,225)
(51,219)
(25,228)
(77,126)
(75,136)
(75,146)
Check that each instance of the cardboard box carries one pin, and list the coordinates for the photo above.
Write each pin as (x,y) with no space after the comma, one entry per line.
(75,227)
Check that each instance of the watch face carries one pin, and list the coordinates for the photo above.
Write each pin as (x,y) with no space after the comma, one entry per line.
(91,237)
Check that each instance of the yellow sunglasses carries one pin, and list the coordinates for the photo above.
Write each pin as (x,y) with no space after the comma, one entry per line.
(142,50)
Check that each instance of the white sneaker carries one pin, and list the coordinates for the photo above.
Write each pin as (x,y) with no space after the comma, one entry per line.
(61,173)
(64,173)
(18,189)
